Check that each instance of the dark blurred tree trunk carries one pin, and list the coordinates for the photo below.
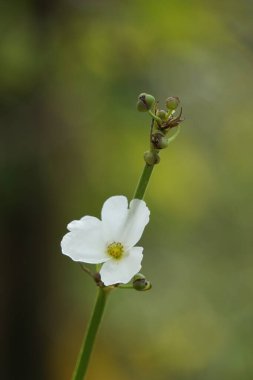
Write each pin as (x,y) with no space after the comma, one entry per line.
(24,229)
(25,215)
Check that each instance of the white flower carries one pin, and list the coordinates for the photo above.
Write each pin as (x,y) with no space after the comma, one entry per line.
(111,240)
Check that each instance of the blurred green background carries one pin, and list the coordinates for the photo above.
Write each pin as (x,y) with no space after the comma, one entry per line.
(70,74)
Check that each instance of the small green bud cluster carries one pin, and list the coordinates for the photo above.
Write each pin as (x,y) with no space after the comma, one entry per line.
(140,283)
(162,122)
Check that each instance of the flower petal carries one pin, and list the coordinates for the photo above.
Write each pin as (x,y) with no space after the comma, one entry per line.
(83,223)
(114,215)
(138,218)
(85,241)
(121,271)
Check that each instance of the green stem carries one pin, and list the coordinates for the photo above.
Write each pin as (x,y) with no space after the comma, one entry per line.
(143,182)
(125,287)
(88,343)
(154,116)
(172,138)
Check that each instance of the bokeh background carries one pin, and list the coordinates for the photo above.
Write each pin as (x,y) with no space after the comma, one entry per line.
(70,74)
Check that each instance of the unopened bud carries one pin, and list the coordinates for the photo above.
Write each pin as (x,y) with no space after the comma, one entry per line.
(145,102)
(159,141)
(162,114)
(140,283)
(151,158)
(172,102)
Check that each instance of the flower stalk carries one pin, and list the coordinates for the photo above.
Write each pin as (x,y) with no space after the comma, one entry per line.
(143,182)
(88,343)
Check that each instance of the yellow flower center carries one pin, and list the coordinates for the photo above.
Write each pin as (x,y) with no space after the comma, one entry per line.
(115,250)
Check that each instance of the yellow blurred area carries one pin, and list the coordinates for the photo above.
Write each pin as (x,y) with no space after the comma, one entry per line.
(185,184)
(70,75)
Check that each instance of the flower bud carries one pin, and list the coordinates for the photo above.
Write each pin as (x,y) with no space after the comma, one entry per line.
(159,141)
(172,102)
(151,158)
(140,283)
(145,102)
(162,114)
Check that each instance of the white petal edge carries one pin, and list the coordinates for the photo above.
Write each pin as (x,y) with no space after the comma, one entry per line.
(85,242)
(138,218)
(114,214)
(121,271)
(84,223)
